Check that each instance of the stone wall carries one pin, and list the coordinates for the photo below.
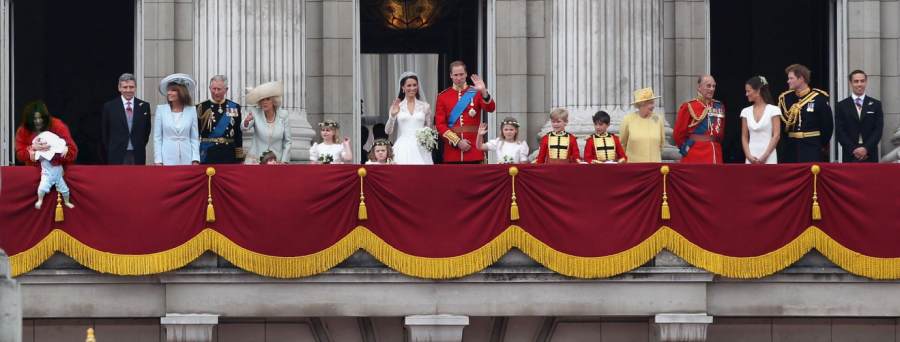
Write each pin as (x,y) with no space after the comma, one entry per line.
(329,63)
(480,329)
(685,45)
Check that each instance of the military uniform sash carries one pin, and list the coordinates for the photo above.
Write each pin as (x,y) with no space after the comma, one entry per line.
(461,106)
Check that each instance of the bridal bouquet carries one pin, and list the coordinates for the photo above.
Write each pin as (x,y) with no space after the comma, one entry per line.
(326,159)
(427,138)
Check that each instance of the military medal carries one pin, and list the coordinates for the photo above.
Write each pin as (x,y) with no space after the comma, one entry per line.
(472,110)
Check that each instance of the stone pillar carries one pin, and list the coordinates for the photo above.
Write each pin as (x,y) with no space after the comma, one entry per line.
(255,43)
(676,327)
(601,51)
(5,118)
(189,328)
(436,328)
(10,303)
(890,75)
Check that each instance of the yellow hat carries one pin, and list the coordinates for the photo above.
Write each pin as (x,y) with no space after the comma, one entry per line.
(645,94)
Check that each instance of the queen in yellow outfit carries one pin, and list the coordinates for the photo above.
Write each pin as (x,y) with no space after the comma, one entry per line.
(642,132)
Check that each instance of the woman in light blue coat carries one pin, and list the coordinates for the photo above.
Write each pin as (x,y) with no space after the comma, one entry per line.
(176,139)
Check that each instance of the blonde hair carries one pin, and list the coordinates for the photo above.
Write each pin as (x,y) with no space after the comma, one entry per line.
(560,114)
(509,121)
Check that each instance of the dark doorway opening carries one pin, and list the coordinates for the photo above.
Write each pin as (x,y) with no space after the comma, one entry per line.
(70,54)
(749,38)
(452,31)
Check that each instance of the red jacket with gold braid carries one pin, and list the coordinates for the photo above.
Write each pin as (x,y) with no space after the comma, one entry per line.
(466,127)
(558,148)
(609,149)
(698,131)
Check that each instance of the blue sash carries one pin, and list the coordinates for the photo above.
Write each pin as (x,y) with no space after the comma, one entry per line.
(701,128)
(460,106)
(217,131)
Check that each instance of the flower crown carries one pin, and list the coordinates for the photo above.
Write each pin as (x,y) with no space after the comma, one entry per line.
(329,123)
(383,142)
(513,123)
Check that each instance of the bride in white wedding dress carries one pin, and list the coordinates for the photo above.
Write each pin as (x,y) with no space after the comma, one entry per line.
(408,114)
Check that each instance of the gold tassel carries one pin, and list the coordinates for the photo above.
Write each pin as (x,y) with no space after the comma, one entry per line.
(60,216)
(210,210)
(514,207)
(665,214)
(816,210)
(90,336)
(363,213)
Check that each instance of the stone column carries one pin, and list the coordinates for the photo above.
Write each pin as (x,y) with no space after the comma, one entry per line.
(676,327)
(255,43)
(890,73)
(5,119)
(10,303)
(189,328)
(601,51)
(436,328)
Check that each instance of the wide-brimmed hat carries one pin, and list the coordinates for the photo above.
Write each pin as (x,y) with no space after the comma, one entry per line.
(264,91)
(642,95)
(182,79)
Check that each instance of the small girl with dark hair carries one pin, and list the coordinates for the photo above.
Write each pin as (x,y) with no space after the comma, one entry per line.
(268,158)
(760,123)
(381,153)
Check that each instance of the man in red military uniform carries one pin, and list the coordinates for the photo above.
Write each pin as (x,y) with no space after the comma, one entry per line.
(458,115)
(699,125)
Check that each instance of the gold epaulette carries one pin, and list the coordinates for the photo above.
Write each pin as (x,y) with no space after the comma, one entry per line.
(822,92)
(785,93)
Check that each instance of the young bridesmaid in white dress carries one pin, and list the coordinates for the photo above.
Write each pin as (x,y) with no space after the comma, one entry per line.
(331,150)
(760,123)
(508,148)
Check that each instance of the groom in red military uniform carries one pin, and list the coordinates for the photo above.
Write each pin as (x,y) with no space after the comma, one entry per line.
(458,115)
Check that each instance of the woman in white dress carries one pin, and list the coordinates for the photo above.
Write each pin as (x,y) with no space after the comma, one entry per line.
(176,138)
(409,114)
(760,123)
(507,148)
(268,123)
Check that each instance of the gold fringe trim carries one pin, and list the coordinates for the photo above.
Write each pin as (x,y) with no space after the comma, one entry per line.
(458,266)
